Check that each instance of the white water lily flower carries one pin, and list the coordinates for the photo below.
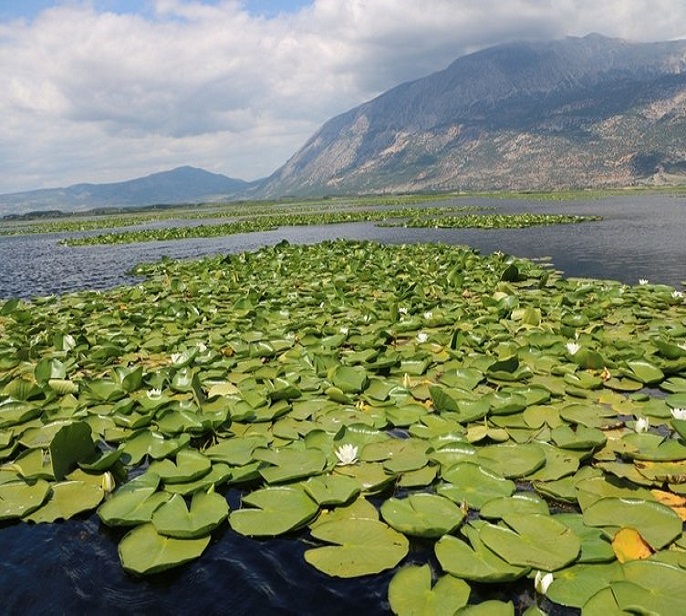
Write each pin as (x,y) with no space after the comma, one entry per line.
(402,310)
(679,413)
(677,294)
(542,581)
(154,394)
(202,347)
(107,483)
(573,348)
(422,337)
(642,425)
(346,454)
(344,330)
(428,314)
(643,281)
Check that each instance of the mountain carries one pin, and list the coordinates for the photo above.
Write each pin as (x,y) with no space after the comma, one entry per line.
(180,185)
(577,112)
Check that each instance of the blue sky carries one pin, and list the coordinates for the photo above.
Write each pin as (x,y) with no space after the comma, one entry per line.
(28,9)
(109,90)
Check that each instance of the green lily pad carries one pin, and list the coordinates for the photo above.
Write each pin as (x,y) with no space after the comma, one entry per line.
(492,607)
(474,485)
(578,437)
(362,547)
(67,499)
(532,540)
(410,593)
(290,464)
(477,564)
(422,515)
(657,524)
(133,503)
(71,444)
(328,490)
(575,585)
(520,503)
(273,511)
(143,551)
(512,461)
(190,465)
(174,519)
(595,546)
(18,498)
(651,588)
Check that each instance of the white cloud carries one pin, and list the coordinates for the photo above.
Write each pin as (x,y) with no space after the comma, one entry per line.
(96,96)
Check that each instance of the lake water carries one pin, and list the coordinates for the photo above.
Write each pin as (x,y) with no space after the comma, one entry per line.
(639,237)
(73,567)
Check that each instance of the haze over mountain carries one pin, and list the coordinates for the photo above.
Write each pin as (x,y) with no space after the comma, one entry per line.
(589,111)
(180,185)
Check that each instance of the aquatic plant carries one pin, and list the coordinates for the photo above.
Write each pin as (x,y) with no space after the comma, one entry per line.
(487,438)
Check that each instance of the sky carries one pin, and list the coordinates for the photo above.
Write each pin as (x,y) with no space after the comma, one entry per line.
(110,90)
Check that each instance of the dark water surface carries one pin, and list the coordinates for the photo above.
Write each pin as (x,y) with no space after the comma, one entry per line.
(640,237)
(73,567)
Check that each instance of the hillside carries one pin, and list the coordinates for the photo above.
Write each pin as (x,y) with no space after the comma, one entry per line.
(577,112)
(181,185)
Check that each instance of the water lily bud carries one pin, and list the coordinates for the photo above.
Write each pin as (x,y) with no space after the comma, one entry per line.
(542,582)
(642,425)
(108,484)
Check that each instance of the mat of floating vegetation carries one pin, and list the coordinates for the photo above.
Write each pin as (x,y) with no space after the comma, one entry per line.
(526,426)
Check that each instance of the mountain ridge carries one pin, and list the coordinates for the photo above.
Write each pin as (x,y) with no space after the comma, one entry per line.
(183,184)
(501,118)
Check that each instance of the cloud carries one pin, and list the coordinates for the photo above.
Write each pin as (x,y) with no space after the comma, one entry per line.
(100,96)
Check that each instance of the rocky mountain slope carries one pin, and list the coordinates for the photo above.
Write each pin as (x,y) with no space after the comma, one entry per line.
(577,112)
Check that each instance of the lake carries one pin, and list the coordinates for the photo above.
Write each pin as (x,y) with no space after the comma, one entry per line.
(639,237)
(73,567)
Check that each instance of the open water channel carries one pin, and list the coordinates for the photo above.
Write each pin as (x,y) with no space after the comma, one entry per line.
(73,567)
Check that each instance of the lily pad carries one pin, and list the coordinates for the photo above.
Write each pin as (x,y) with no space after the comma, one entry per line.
(477,564)
(362,547)
(175,519)
(422,515)
(657,523)
(474,485)
(532,540)
(18,498)
(410,593)
(67,499)
(143,551)
(273,511)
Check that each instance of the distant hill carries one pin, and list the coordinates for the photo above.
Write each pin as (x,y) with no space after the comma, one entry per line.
(591,111)
(181,185)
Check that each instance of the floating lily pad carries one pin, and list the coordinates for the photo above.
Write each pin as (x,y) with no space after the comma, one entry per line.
(422,515)
(329,490)
(290,464)
(133,503)
(532,540)
(478,564)
(273,511)
(362,547)
(575,585)
(67,499)
(651,588)
(175,519)
(656,523)
(410,593)
(189,466)
(474,485)
(143,551)
(18,498)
